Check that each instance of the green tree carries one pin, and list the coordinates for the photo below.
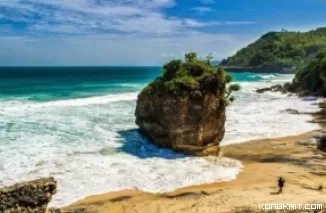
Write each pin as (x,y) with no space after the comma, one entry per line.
(321,54)
(280,48)
(313,76)
(209,58)
(195,78)
(191,57)
(170,69)
(232,88)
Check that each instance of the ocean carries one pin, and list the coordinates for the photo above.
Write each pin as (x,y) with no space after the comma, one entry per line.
(72,123)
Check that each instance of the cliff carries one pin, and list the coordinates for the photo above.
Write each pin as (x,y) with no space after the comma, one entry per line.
(281,52)
(311,80)
(184,109)
(27,197)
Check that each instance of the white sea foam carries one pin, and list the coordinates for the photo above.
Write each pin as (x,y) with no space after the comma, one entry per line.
(263,76)
(254,116)
(77,102)
(82,142)
(92,101)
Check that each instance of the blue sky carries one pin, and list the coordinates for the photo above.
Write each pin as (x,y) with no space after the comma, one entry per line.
(141,32)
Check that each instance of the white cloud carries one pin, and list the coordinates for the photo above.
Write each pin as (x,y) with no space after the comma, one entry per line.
(85,16)
(203,9)
(193,23)
(239,22)
(105,32)
(102,16)
(207,1)
(128,49)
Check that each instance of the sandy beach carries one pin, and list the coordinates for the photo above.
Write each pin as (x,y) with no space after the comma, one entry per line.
(295,158)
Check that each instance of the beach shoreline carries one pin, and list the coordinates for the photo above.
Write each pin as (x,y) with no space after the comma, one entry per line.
(45,131)
(293,157)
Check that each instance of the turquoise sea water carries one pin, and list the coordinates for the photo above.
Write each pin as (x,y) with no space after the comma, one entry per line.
(72,122)
(57,83)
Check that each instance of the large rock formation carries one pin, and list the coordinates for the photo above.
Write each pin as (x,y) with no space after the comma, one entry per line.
(195,126)
(27,197)
(184,110)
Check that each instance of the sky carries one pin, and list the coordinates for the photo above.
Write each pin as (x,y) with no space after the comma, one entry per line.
(141,32)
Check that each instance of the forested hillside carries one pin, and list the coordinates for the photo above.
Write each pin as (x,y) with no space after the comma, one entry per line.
(312,78)
(284,48)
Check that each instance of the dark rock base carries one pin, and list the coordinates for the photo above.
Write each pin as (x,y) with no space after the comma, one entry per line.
(27,197)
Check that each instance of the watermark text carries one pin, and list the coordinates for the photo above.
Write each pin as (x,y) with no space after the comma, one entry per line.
(290,206)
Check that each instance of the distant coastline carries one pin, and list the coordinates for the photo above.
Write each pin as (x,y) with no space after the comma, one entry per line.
(283,52)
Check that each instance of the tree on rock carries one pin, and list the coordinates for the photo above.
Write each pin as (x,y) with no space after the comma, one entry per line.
(191,57)
(209,58)
(232,88)
(184,108)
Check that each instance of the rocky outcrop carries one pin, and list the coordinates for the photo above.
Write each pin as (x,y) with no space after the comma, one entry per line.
(311,79)
(298,89)
(184,109)
(186,124)
(292,111)
(275,88)
(288,88)
(27,197)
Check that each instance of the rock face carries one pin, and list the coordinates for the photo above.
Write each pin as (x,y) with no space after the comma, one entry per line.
(190,125)
(184,109)
(27,197)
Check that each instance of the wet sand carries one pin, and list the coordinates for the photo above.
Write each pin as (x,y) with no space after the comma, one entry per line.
(295,158)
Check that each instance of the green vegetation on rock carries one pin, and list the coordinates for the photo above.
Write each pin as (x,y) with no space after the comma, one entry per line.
(195,77)
(312,78)
(281,49)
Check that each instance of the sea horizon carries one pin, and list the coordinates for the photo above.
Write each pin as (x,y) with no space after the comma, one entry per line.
(72,66)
